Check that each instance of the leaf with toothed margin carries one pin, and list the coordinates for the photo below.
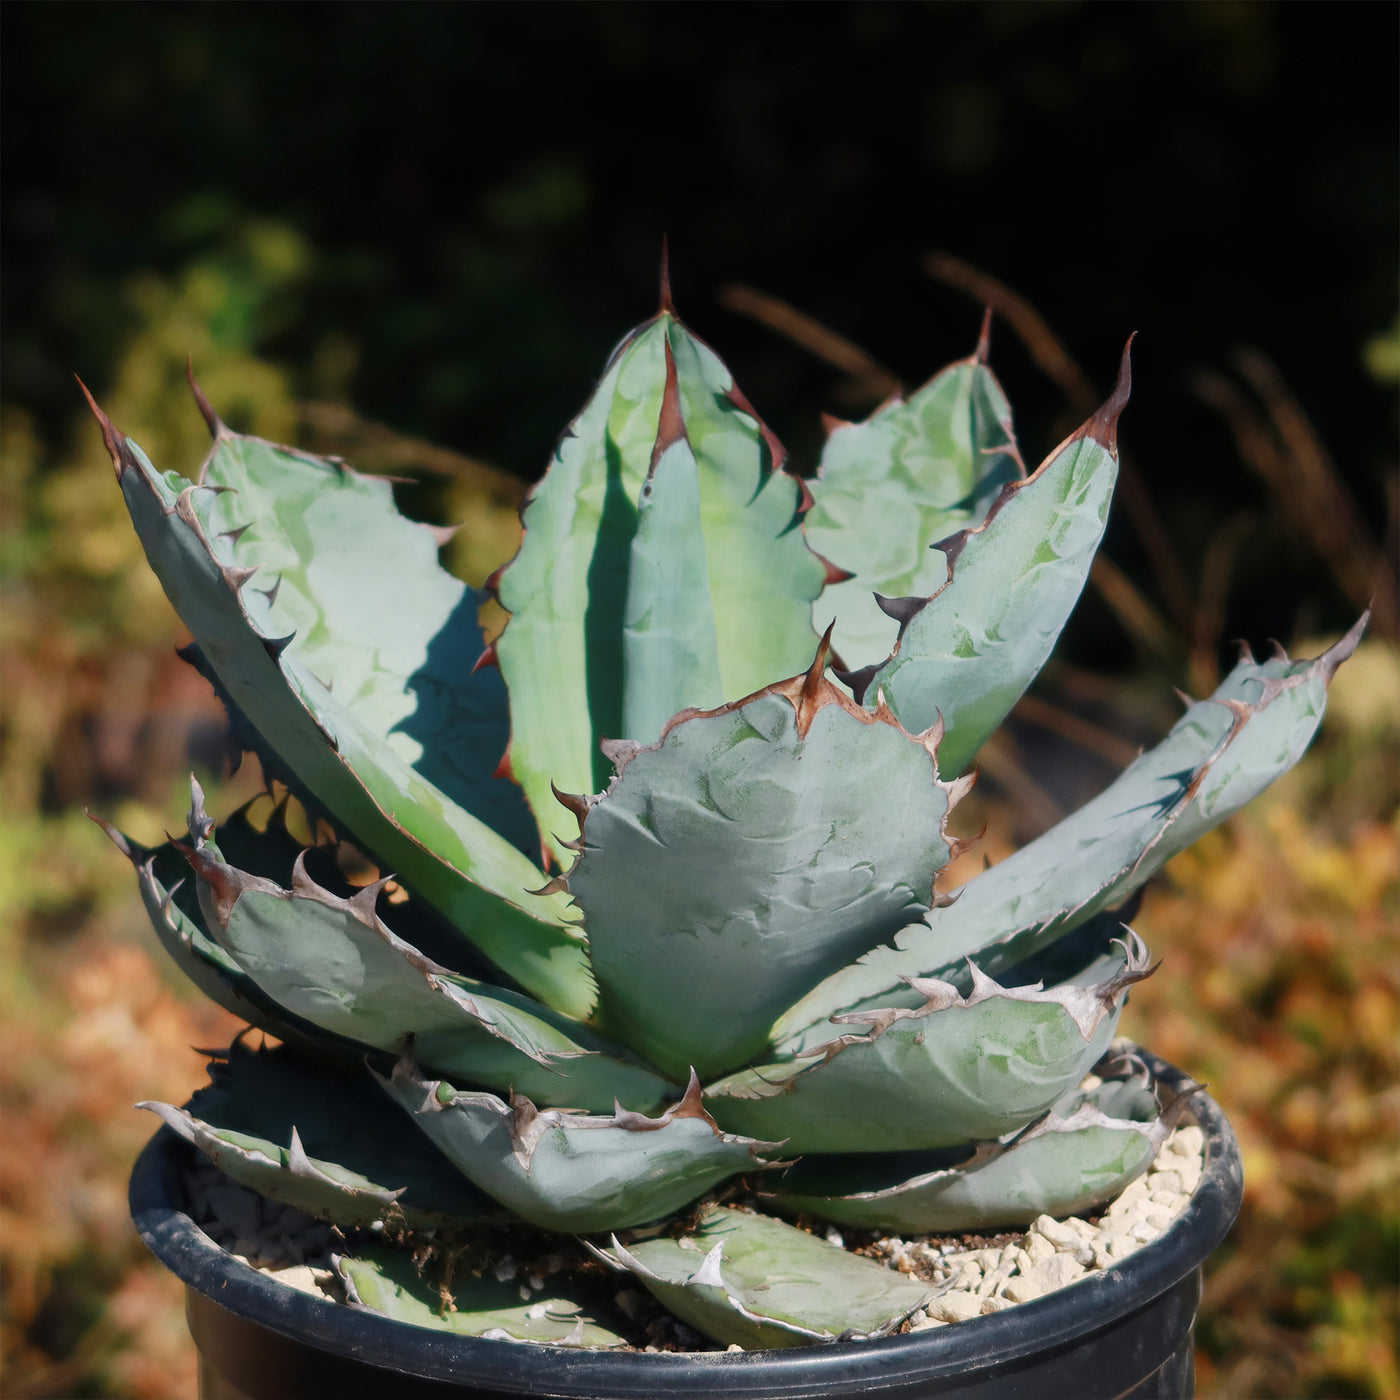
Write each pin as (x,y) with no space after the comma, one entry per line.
(661,566)
(173,908)
(577,1172)
(670,650)
(954,1070)
(1089,953)
(326,1142)
(335,963)
(1219,756)
(1075,1160)
(752,1281)
(370,611)
(968,651)
(335,739)
(758,846)
(386,1280)
(257,840)
(181,931)
(913,473)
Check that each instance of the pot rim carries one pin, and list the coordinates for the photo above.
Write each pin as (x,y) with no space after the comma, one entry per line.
(980,1344)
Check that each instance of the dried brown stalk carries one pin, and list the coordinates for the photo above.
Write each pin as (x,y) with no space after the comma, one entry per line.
(1093,738)
(1280,445)
(338,430)
(1032,329)
(872,379)
(1208,624)
(1033,809)
(1137,617)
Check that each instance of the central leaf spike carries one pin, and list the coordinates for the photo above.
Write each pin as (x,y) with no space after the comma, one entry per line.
(670,427)
(667,306)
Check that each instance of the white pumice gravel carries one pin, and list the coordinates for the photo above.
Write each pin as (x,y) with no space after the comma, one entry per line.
(279,1241)
(1052,1254)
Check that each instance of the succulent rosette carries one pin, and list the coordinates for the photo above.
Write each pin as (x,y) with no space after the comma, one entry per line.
(665,852)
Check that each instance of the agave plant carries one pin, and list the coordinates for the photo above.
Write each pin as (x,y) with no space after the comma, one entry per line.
(664,854)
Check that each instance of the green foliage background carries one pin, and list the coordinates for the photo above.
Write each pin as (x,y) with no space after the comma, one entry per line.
(384,229)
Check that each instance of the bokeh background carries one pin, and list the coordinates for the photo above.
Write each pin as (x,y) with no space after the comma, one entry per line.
(410,234)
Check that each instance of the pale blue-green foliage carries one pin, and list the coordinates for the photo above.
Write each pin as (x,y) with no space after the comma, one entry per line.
(579,1172)
(1084,1151)
(332,750)
(332,962)
(818,866)
(325,1142)
(665,910)
(915,472)
(947,1055)
(749,1281)
(1221,753)
(660,568)
(968,653)
(388,1280)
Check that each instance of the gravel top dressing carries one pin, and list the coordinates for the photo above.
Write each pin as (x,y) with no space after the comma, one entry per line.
(972,1275)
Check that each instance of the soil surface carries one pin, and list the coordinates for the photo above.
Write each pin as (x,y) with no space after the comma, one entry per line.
(972,1274)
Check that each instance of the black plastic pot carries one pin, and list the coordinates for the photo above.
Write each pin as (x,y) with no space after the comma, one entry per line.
(1124,1332)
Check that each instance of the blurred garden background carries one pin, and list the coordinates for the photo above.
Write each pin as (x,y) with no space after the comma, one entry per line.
(409,234)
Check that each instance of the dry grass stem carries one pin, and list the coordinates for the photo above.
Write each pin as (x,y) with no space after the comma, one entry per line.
(1050,356)
(872,379)
(1278,443)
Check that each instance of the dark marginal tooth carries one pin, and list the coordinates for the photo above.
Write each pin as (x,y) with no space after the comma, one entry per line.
(667,306)
(237,576)
(902,610)
(834,572)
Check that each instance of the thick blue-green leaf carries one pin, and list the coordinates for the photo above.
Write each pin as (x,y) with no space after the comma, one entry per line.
(327,1143)
(762,574)
(335,963)
(330,727)
(913,473)
(370,612)
(660,569)
(1074,1161)
(968,651)
(954,1070)
(257,839)
(173,908)
(183,936)
(1220,755)
(751,1281)
(577,1172)
(387,1280)
(750,852)
(670,650)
